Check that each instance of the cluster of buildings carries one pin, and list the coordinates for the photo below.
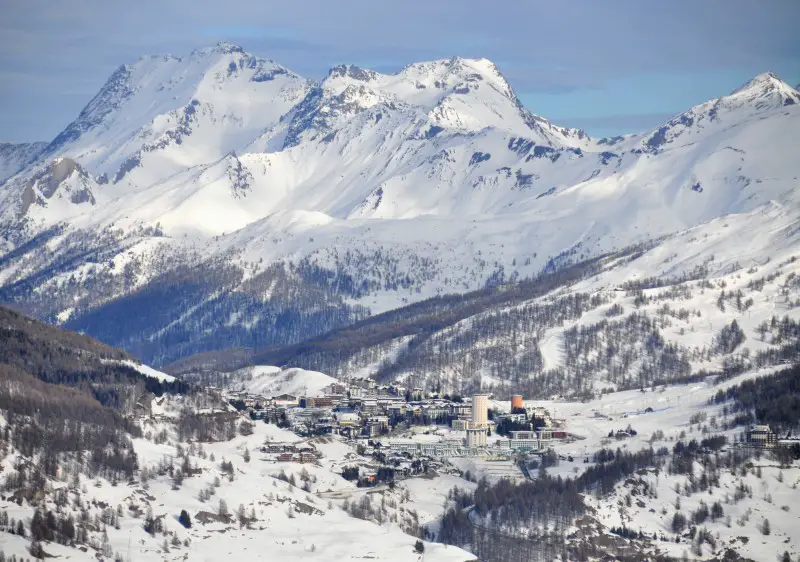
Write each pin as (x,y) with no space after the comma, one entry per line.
(289,452)
(360,409)
(365,410)
(477,427)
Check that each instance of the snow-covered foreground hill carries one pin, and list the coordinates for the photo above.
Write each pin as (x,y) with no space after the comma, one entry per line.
(289,523)
(219,193)
(661,417)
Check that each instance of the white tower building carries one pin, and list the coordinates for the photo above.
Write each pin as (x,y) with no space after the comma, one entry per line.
(480,410)
(476,437)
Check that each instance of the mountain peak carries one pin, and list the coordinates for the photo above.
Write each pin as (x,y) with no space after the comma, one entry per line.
(222,48)
(764,83)
(352,71)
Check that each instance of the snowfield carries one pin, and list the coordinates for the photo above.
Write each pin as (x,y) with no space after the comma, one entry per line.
(272,381)
(290,524)
(149,371)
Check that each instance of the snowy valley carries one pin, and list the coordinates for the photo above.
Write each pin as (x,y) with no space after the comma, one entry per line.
(148,467)
(243,311)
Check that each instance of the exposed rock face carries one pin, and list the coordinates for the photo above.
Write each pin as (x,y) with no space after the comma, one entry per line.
(62,176)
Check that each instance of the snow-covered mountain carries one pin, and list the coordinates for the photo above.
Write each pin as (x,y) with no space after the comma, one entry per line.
(222,194)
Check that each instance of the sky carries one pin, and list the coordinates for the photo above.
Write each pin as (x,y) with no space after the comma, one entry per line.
(608,67)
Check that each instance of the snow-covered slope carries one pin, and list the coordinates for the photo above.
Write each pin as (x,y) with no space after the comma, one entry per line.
(272,381)
(14,157)
(279,518)
(365,189)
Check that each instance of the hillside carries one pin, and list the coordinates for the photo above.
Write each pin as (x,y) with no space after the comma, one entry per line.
(661,474)
(60,357)
(600,324)
(100,461)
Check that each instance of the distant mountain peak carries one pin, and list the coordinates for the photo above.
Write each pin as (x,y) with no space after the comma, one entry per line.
(765,82)
(222,47)
(352,71)
(764,92)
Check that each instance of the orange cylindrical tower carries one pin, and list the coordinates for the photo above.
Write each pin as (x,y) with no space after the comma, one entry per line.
(516,402)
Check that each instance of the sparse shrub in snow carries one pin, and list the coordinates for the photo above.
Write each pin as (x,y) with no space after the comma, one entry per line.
(177,479)
(678,522)
(701,514)
(246,428)
(184,519)
(716,511)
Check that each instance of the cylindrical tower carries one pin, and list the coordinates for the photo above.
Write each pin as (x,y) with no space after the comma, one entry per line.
(476,437)
(516,402)
(480,410)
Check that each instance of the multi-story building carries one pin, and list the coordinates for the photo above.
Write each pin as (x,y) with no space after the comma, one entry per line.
(476,437)
(461,411)
(436,413)
(524,444)
(762,436)
(523,435)
(381,421)
(285,400)
(396,409)
(369,405)
(437,449)
(480,410)
(336,388)
(317,402)
(516,418)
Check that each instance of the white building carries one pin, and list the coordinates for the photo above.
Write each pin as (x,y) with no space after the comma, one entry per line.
(437,449)
(480,410)
(476,437)
(523,435)
(524,444)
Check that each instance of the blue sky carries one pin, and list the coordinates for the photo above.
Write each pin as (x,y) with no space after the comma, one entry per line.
(608,67)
